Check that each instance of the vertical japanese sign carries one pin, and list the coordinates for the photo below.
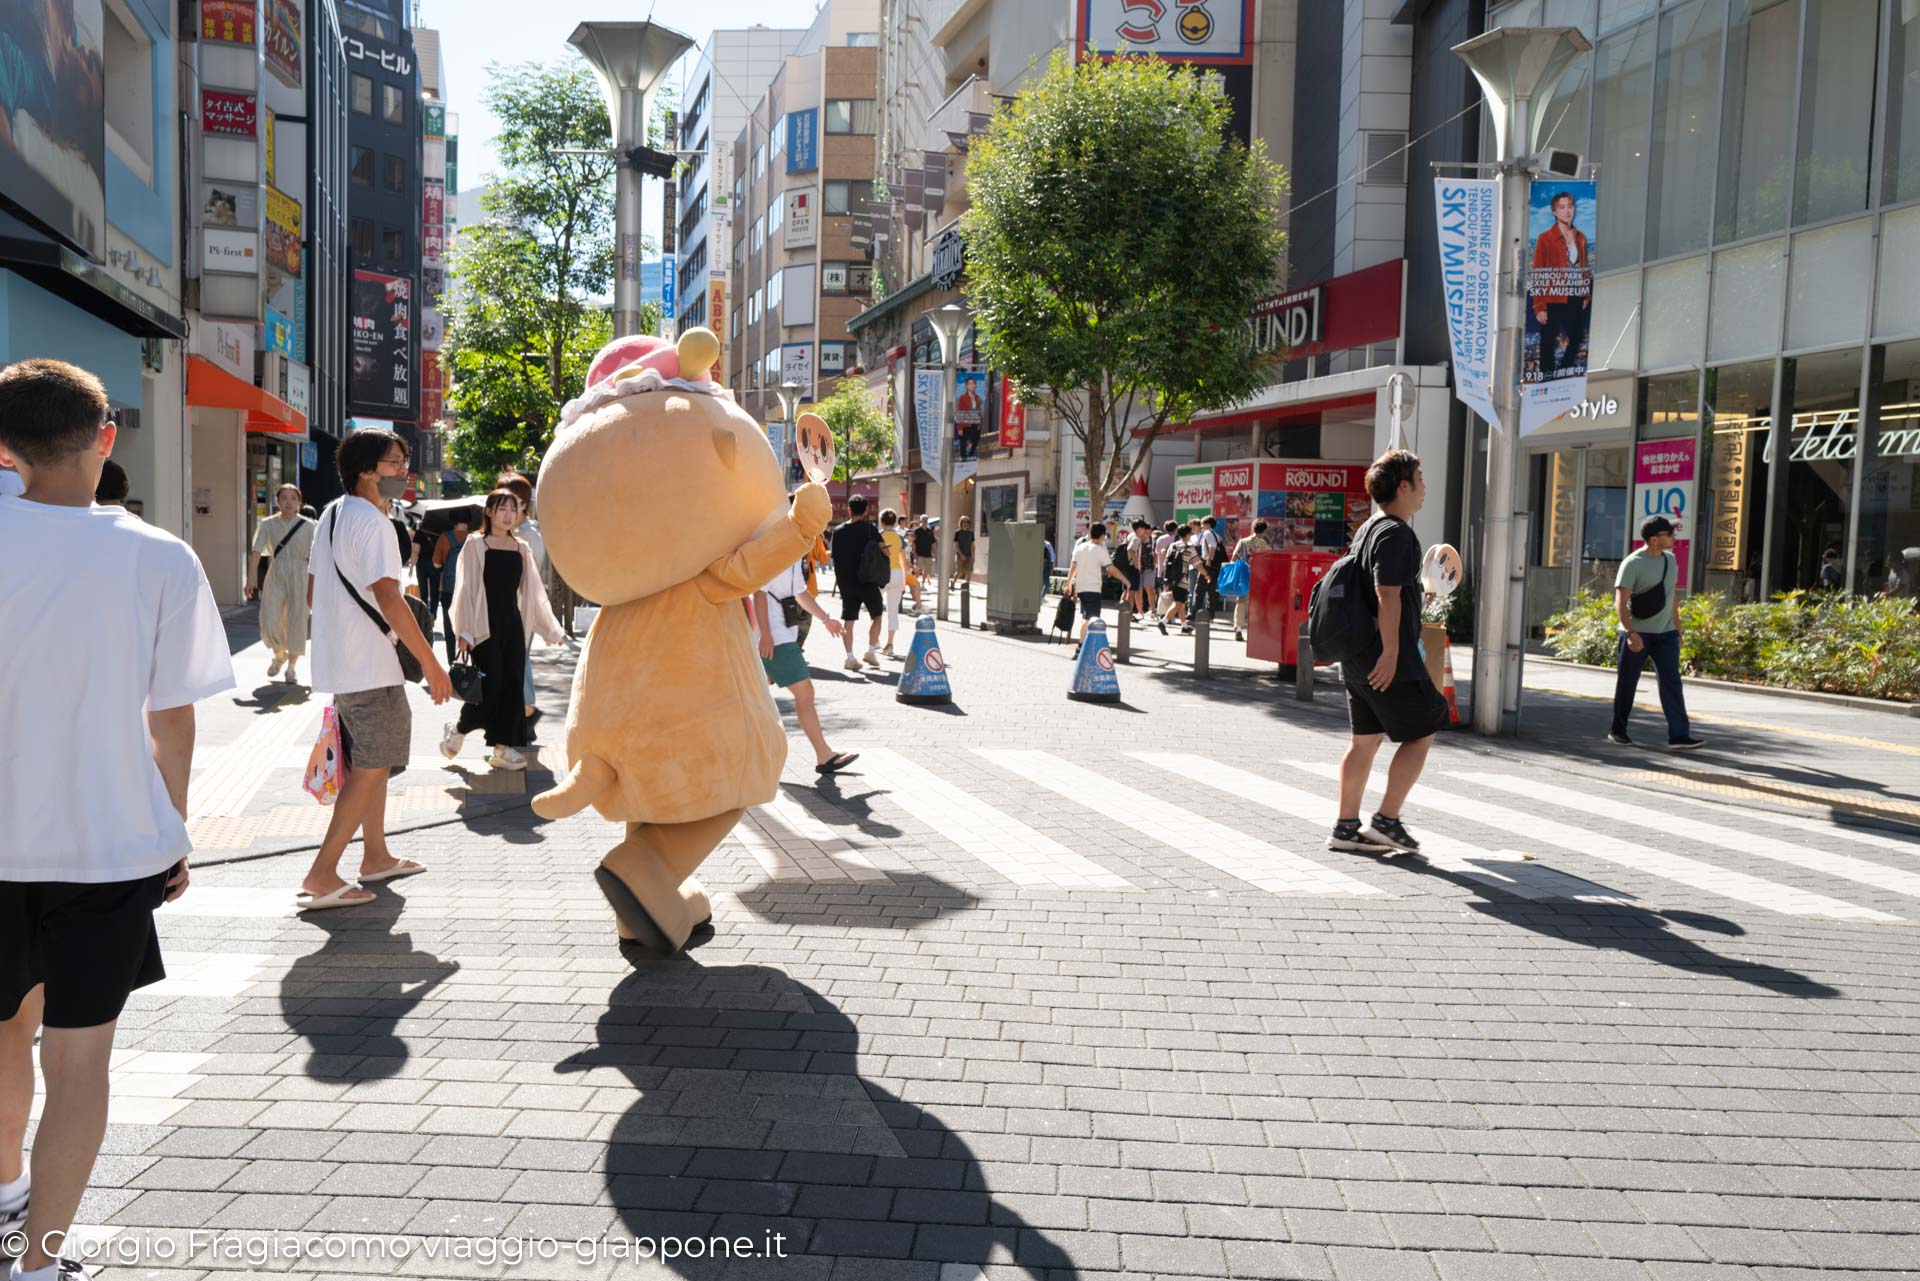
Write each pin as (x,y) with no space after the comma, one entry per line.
(228,112)
(1013,416)
(382,347)
(228,21)
(1663,481)
(433,222)
(1553,355)
(433,119)
(926,416)
(1192,491)
(282,48)
(1469,223)
(803,140)
(717,321)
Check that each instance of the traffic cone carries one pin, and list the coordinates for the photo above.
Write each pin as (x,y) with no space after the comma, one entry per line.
(1094,680)
(924,681)
(1447,688)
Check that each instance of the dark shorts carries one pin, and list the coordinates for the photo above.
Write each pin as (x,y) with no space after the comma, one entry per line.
(1089,604)
(90,944)
(853,596)
(376,727)
(1132,576)
(1408,709)
(1179,590)
(787,667)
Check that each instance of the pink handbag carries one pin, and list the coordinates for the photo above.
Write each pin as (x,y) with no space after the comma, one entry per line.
(322,781)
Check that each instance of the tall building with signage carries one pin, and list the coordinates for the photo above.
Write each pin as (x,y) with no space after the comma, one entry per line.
(729,75)
(434,215)
(261,132)
(802,167)
(384,151)
(90,233)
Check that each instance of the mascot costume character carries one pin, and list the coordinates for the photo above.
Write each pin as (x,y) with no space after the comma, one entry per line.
(662,500)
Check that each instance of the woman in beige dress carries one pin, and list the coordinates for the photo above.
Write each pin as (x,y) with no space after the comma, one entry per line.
(287,538)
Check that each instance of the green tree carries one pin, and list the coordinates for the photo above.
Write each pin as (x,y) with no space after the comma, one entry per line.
(1117,242)
(526,306)
(862,434)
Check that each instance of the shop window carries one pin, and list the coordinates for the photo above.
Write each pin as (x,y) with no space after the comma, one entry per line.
(1820,396)
(1680,189)
(1623,78)
(1887,560)
(1748,285)
(1836,108)
(1902,177)
(776,289)
(1669,406)
(393,104)
(360,166)
(1832,271)
(1756,136)
(839,197)
(362,95)
(393,173)
(1733,496)
(776,215)
(360,233)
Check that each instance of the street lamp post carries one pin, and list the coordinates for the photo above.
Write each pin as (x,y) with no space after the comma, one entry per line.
(949,323)
(788,394)
(630,58)
(1515,66)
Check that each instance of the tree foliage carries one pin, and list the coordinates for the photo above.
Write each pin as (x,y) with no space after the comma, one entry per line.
(862,433)
(524,315)
(1117,242)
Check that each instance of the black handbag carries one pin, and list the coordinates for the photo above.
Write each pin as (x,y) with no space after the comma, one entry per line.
(410,668)
(1650,601)
(469,682)
(1063,616)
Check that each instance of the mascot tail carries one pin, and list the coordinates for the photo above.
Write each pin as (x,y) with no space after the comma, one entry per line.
(590,779)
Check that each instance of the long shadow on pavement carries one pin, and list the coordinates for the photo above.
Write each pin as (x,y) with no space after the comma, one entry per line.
(750,1117)
(347,997)
(1624,927)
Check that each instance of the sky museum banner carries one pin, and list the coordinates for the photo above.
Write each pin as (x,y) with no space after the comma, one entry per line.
(1468,212)
(1553,353)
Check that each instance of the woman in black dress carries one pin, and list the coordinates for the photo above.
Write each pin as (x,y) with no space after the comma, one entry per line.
(499,605)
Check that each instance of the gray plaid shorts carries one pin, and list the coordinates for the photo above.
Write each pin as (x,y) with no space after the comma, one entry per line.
(378,725)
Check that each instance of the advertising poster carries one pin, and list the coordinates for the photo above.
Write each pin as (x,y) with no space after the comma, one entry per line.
(283,232)
(1192,491)
(227,21)
(382,346)
(1204,31)
(1311,506)
(228,113)
(969,412)
(1553,356)
(1013,416)
(926,416)
(227,204)
(1663,481)
(231,251)
(803,140)
(796,366)
(433,119)
(1233,500)
(276,332)
(1468,211)
(282,46)
(717,321)
(801,230)
(53,139)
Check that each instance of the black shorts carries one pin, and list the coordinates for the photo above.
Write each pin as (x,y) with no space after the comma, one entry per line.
(1132,576)
(852,597)
(1179,591)
(90,944)
(1408,709)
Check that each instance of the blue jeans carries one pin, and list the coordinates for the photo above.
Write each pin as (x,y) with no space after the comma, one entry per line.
(1664,649)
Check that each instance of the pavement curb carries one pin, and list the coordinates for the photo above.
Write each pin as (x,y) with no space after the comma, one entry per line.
(1885,706)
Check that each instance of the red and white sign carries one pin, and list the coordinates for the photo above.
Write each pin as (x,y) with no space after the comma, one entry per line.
(1013,416)
(225,112)
(1354,310)
(433,222)
(228,21)
(1318,476)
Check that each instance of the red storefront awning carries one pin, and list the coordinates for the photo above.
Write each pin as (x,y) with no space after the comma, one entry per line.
(211,387)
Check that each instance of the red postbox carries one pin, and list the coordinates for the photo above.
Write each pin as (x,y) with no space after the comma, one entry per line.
(1281,586)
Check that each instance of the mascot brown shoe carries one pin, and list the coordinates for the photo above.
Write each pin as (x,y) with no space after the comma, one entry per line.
(662,500)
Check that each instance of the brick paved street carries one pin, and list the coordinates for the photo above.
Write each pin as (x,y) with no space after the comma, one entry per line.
(1047,990)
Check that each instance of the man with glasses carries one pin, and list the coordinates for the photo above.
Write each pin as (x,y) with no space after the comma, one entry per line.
(354,575)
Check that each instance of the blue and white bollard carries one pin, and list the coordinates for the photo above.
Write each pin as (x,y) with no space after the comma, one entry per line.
(925,679)
(1094,680)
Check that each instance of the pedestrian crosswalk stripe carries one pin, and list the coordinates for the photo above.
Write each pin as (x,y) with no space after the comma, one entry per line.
(1018,852)
(1504,869)
(791,844)
(1713,879)
(1843,866)
(1244,857)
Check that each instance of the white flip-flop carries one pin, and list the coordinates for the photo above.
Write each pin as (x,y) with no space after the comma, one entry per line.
(405,867)
(308,902)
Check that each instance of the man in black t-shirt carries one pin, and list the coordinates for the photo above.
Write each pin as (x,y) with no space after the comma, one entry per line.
(849,546)
(1389,693)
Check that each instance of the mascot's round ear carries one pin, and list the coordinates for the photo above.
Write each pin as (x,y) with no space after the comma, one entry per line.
(699,350)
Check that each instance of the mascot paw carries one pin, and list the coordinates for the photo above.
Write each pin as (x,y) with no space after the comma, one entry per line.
(812,509)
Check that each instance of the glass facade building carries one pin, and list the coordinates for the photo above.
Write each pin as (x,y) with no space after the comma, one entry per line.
(1758,165)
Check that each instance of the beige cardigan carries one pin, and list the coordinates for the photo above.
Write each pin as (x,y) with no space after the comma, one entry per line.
(470,622)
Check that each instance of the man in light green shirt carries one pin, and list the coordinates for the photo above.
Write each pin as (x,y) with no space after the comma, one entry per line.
(1645,598)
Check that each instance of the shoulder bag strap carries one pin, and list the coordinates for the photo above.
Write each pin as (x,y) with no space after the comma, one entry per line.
(378,620)
(282,544)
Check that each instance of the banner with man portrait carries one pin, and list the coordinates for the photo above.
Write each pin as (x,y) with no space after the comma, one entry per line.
(1559,321)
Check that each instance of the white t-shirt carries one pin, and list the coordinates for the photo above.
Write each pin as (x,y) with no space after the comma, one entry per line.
(106,616)
(1090,561)
(350,653)
(12,483)
(790,581)
(529,531)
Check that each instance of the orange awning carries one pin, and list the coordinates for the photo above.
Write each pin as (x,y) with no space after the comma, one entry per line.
(211,387)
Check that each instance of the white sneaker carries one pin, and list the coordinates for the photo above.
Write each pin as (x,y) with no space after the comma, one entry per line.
(873,658)
(506,758)
(273,668)
(852,664)
(451,740)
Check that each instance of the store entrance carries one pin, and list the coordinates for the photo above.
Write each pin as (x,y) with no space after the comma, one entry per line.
(1579,501)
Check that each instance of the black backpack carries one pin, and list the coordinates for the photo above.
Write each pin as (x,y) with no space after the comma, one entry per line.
(1343,614)
(876,567)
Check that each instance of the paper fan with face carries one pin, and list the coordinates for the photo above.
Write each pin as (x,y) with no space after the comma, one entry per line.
(1440,569)
(813,446)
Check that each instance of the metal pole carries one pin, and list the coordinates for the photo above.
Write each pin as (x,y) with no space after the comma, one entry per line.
(1123,649)
(950,360)
(1495,654)
(626,215)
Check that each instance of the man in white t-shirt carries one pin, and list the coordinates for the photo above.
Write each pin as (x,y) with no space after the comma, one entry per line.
(1090,560)
(786,664)
(353,581)
(111,637)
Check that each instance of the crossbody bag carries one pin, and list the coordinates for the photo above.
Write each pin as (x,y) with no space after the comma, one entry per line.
(410,669)
(1650,601)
